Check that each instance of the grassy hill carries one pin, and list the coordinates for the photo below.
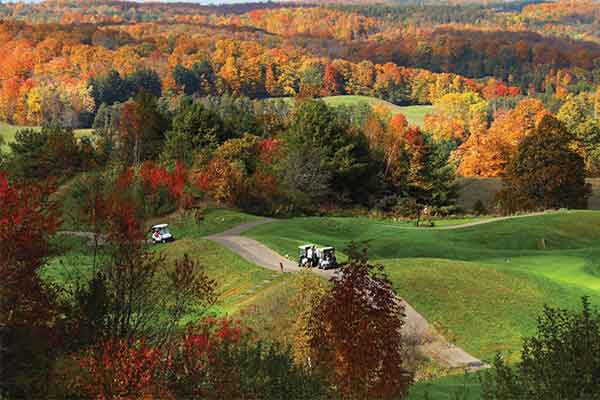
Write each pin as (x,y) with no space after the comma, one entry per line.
(243,288)
(414,114)
(7,132)
(484,284)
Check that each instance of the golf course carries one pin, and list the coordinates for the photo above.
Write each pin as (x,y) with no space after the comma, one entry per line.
(484,284)
(480,281)
(415,115)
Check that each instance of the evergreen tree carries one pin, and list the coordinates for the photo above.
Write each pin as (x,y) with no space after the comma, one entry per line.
(545,172)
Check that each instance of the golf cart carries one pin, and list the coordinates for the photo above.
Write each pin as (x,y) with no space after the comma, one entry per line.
(161,234)
(327,258)
(307,256)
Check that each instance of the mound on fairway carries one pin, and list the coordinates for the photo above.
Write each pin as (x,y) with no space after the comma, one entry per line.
(485,284)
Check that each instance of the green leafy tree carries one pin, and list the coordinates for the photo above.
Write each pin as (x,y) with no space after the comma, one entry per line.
(342,151)
(579,115)
(186,78)
(588,134)
(237,114)
(142,128)
(40,154)
(545,172)
(201,124)
(560,362)
(144,80)
(431,179)
(109,89)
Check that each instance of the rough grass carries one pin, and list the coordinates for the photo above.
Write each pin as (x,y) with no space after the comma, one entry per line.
(240,283)
(485,284)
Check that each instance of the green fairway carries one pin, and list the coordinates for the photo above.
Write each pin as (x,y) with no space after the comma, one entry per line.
(414,114)
(484,284)
(214,220)
(241,285)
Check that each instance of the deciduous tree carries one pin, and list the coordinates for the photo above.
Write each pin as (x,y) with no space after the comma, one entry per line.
(29,311)
(355,333)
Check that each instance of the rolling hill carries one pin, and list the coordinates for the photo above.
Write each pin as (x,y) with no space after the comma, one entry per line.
(414,114)
(483,284)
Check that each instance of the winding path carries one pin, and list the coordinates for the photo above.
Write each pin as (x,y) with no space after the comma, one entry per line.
(416,325)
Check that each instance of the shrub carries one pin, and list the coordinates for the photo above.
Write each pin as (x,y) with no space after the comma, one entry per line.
(560,362)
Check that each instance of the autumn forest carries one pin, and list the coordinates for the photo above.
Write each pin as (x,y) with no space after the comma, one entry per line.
(118,115)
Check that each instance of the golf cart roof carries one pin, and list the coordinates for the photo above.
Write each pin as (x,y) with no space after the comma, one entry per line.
(160,226)
(305,246)
(327,248)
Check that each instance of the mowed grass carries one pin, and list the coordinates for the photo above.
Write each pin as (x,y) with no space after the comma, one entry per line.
(214,220)
(414,114)
(484,284)
(7,132)
(240,284)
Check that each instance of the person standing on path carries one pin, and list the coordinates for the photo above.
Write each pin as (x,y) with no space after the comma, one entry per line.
(281,266)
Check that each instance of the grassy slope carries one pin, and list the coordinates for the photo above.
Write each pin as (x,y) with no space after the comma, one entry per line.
(7,132)
(484,284)
(414,114)
(241,284)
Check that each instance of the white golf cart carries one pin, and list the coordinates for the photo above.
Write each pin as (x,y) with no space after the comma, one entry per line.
(307,256)
(161,234)
(327,258)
